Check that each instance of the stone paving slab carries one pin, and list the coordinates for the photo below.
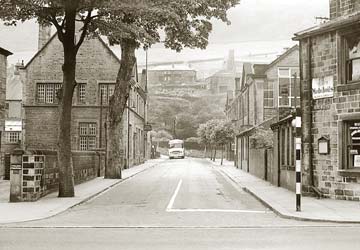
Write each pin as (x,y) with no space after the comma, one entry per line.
(282,201)
(51,205)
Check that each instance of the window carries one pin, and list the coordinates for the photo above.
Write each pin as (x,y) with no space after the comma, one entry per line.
(289,87)
(268,94)
(352,144)
(106,91)
(12,137)
(81,92)
(287,146)
(47,93)
(352,58)
(87,132)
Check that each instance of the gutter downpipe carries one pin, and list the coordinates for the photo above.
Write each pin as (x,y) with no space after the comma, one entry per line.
(309,47)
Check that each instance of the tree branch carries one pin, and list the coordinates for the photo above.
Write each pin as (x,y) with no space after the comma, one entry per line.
(59,28)
(86,21)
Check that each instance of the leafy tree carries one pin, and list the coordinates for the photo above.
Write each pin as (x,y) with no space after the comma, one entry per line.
(128,23)
(216,133)
(223,134)
(63,15)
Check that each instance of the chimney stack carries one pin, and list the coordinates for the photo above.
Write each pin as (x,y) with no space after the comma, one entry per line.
(44,35)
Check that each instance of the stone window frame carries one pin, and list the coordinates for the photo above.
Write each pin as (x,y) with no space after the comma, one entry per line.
(81,97)
(47,92)
(12,137)
(342,133)
(84,137)
(342,54)
(106,99)
(269,94)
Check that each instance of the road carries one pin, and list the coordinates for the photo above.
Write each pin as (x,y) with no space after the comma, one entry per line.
(180,204)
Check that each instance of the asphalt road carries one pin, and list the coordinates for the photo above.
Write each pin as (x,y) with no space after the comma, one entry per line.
(180,204)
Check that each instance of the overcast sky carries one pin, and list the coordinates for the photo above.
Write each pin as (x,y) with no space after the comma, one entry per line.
(271,21)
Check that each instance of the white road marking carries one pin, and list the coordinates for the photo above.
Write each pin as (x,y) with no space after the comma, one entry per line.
(216,210)
(173,197)
(172,200)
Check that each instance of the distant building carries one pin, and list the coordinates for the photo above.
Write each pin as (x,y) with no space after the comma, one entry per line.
(175,80)
(330,76)
(222,81)
(174,74)
(4,173)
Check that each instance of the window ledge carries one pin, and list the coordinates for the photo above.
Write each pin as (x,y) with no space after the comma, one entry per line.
(349,86)
(349,172)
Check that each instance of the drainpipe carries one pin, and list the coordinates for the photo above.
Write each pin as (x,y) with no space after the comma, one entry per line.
(309,114)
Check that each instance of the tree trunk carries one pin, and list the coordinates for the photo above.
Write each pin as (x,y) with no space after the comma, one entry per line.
(222,154)
(66,172)
(117,105)
(214,154)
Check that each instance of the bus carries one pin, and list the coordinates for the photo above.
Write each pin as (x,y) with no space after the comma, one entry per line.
(176,149)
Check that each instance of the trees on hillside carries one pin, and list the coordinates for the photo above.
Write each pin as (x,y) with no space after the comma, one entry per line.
(188,115)
(128,23)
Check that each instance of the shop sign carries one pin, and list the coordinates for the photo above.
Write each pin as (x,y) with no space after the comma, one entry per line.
(147,127)
(323,87)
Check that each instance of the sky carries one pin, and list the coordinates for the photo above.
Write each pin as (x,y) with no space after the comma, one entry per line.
(257,26)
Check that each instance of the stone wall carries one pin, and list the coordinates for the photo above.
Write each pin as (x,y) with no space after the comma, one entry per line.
(3,66)
(340,8)
(86,167)
(326,117)
(96,64)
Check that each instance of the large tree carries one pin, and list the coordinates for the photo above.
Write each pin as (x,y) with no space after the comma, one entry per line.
(65,16)
(129,23)
(180,23)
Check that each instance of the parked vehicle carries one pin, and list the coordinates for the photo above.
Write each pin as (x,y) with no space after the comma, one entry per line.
(176,149)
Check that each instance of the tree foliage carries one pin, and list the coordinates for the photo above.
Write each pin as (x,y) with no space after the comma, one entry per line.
(129,23)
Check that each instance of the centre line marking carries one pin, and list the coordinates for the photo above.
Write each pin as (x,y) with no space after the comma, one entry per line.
(172,200)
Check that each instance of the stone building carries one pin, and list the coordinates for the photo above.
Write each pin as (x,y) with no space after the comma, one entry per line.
(330,87)
(175,80)
(96,72)
(171,75)
(3,72)
(264,95)
(222,81)
(13,118)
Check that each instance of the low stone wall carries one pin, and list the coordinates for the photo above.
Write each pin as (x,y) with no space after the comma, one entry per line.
(86,167)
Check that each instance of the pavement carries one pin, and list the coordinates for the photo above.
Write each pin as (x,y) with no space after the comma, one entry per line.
(282,201)
(51,204)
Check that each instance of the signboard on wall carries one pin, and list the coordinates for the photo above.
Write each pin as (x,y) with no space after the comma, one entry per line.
(323,87)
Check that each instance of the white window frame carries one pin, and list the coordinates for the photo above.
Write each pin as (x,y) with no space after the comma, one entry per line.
(290,76)
(10,138)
